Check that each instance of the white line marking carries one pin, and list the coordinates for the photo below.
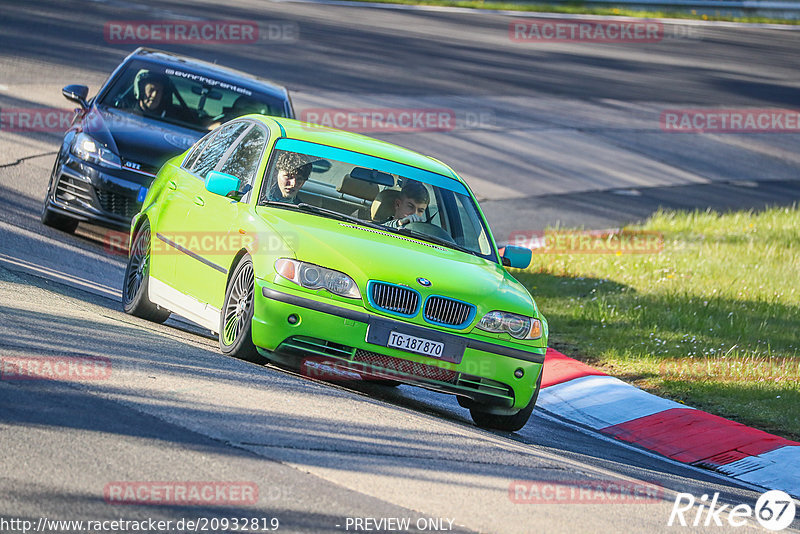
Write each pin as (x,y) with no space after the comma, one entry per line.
(44,272)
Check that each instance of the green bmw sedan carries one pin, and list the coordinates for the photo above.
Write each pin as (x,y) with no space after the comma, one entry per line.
(341,256)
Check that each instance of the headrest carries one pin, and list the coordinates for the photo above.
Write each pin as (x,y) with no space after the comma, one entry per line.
(358,188)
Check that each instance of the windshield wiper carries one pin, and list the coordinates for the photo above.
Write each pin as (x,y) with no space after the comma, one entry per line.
(438,240)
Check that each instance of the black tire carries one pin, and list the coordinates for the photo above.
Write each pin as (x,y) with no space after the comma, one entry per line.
(56,220)
(465,402)
(385,382)
(135,298)
(509,423)
(51,218)
(236,317)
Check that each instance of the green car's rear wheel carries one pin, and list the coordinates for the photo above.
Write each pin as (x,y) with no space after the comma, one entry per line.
(236,318)
(509,423)
(135,298)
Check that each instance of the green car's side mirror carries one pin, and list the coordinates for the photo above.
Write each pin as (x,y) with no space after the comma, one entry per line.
(516,257)
(222,184)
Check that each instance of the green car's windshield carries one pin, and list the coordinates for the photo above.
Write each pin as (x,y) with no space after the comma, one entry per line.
(377,193)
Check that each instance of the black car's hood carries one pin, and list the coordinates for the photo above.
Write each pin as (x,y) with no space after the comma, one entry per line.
(138,139)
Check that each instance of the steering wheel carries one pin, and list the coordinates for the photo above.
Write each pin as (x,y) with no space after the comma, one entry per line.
(431,230)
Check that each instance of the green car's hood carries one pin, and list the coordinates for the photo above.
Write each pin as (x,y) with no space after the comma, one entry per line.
(366,254)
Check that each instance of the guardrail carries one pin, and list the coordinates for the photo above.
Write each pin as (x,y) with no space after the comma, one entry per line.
(767,8)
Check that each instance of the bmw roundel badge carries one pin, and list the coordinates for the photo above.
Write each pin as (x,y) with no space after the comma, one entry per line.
(424,282)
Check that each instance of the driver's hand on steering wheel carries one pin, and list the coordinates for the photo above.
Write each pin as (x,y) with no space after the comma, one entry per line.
(414,217)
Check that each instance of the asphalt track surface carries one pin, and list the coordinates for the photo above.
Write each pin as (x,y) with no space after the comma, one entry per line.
(566,128)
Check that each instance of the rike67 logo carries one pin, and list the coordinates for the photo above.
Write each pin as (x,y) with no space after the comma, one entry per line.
(774,510)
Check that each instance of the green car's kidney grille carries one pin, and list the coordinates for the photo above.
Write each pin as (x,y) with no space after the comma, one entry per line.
(448,311)
(395,299)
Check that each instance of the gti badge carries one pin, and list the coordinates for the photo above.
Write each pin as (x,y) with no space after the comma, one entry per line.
(424,282)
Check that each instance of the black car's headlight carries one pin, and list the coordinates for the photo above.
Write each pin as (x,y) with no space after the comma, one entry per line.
(518,326)
(312,276)
(89,149)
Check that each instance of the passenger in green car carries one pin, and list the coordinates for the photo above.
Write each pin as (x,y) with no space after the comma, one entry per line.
(293,170)
(410,206)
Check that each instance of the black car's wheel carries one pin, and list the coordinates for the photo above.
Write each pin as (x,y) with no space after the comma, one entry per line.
(56,220)
(236,318)
(135,298)
(509,423)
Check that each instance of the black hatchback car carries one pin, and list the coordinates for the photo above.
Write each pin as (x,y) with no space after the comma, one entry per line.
(154,106)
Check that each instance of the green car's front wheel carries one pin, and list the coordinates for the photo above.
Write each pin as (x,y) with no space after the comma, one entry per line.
(135,298)
(509,423)
(236,318)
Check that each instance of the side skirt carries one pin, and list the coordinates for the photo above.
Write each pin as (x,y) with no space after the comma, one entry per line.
(170,298)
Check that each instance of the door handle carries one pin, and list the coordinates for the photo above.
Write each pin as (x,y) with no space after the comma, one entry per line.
(172,185)
(199,201)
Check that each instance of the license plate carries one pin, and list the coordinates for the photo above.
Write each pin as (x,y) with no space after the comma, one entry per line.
(415,344)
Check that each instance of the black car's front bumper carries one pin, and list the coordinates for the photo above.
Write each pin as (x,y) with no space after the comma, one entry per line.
(100,195)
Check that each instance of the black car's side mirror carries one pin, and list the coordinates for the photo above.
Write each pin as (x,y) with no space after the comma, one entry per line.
(76,93)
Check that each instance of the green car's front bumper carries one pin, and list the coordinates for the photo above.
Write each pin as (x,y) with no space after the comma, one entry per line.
(331,331)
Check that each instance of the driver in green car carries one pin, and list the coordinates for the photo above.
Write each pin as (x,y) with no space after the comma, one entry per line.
(410,206)
(292,172)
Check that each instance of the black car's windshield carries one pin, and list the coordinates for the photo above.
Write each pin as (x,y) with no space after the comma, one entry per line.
(438,210)
(181,97)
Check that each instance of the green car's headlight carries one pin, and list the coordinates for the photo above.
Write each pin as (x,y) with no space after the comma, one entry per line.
(88,149)
(518,326)
(312,276)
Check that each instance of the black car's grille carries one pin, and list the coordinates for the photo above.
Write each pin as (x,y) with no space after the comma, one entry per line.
(447,311)
(69,189)
(396,299)
(118,204)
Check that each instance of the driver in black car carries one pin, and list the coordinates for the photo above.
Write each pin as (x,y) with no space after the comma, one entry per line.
(153,92)
(410,206)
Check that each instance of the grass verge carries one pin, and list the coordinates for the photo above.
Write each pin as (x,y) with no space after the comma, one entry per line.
(713,320)
(576,8)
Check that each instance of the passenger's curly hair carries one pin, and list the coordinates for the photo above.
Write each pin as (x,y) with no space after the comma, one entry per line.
(292,162)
